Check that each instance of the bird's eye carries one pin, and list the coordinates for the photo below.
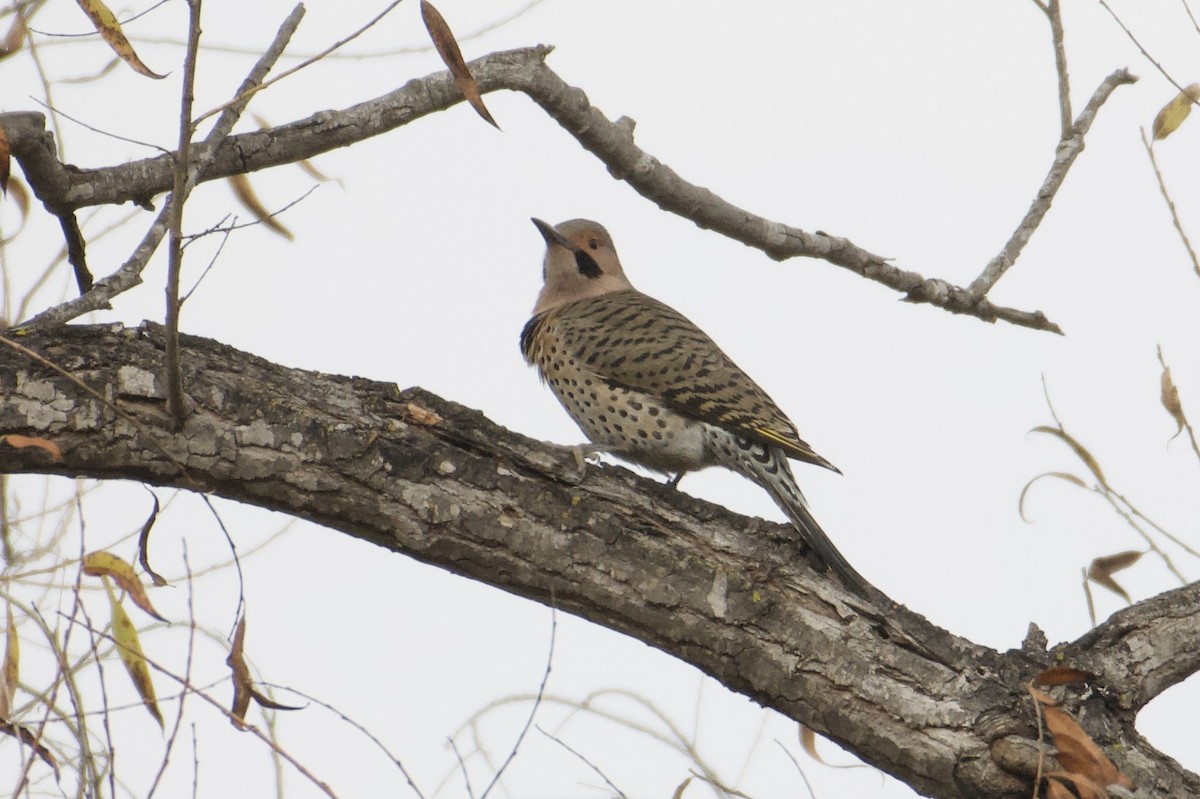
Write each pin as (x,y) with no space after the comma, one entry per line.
(594,244)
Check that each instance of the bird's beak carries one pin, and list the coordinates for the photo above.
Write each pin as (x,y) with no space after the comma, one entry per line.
(551,235)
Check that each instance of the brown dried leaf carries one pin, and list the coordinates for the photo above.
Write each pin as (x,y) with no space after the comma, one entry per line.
(808,742)
(1102,570)
(31,740)
(10,671)
(447,47)
(106,564)
(242,689)
(1061,675)
(129,647)
(21,442)
(1175,112)
(1083,787)
(1078,753)
(110,30)
(15,38)
(246,196)
(1170,399)
(1079,449)
(1042,698)
(144,542)
(5,159)
(17,192)
(1070,478)
(679,790)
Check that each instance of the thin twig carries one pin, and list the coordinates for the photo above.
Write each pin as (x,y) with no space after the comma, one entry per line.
(1054,12)
(1162,187)
(532,711)
(173,367)
(1064,156)
(796,763)
(1190,15)
(586,762)
(244,96)
(1143,50)
(130,273)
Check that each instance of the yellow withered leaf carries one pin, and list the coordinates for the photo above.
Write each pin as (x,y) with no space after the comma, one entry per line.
(21,442)
(1079,449)
(129,647)
(447,47)
(110,30)
(106,564)
(9,672)
(1173,113)
(246,196)
(16,191)
(1170,400)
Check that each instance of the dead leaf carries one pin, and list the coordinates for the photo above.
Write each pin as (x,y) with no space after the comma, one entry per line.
(5,159)
(1170,397)
(129,647)
(1083,787)
(447,47)
(105,564)
(144,543)
(1102,570)
(808,742)
(1078,753)
(1070,478)
(21,442)
(1175,112)
(110,30)
(1079,449)
(17,192)
(10,671)
(32,741)
(242,687)
(679,790)
(246,196)
(15,38)
(1061,675)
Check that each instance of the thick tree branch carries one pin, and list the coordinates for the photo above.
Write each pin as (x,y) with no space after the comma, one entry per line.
(63,189)
(734,596)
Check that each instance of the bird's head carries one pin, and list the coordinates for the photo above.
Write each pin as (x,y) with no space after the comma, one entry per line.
(581,262)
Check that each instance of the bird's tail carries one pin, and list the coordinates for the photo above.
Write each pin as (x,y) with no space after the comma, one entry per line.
(771,470)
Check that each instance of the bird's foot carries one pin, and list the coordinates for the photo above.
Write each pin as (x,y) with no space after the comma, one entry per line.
(674,481)
(582,453)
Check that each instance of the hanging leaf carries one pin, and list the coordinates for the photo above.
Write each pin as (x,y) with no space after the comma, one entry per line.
(447,47)
(1078,753)
(17,192)
(1175,112)
(129,647)
(1102,570)
(110,30)
(144,543)
(106,564)
(1080,450)
(33,741)
(1170,397)
(15,38)
(246,196)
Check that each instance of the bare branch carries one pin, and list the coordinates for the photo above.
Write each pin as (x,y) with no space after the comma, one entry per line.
(519,70)
(1054,12)
(1064,156)
(1162,187)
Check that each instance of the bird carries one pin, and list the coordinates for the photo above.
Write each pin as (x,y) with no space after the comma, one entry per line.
(647,385)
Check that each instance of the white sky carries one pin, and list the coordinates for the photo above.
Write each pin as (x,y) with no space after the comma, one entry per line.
(919,130)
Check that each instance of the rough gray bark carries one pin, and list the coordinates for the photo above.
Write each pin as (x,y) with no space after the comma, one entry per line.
(734,596)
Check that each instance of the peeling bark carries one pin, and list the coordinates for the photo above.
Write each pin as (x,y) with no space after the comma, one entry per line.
(734,596)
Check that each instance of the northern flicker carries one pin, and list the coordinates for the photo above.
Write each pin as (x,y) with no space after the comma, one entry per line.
(647,385)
